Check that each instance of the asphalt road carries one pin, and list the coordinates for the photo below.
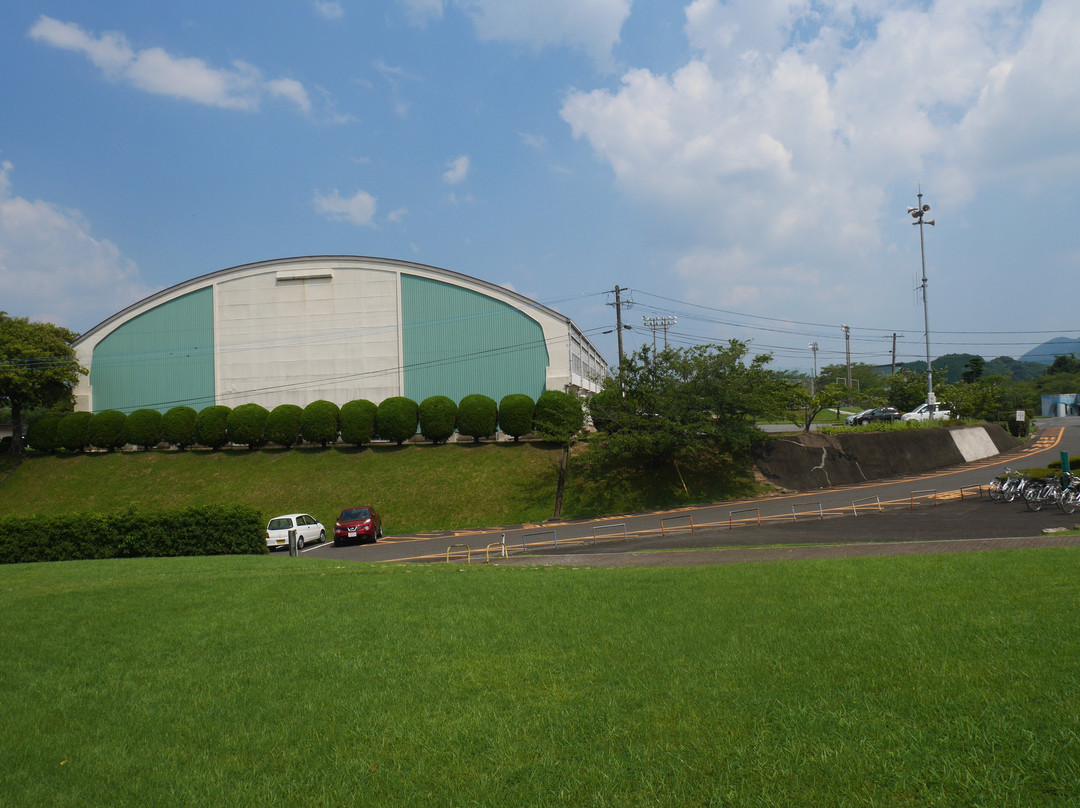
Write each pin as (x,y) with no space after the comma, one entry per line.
(936,507)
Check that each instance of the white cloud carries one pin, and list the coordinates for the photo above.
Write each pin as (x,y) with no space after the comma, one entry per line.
(592,25)
(783,136)
(397,216)
(420,12)
(533,141)
(457,170)
(329,10)
(358,209)
(53,269)
(156,71)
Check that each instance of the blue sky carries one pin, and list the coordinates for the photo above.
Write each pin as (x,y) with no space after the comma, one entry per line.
(743,166)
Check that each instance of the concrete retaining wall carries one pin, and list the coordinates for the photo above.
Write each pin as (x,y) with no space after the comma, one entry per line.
(806,461)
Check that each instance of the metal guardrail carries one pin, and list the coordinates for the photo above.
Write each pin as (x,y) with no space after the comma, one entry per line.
(979,488)
(855,502)
(663,519)
(730,522)
(605,527)
(821,513)
(927,491)
(525,547)
(468,552)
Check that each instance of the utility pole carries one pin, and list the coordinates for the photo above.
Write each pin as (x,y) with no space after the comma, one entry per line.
(618,319)
(813,379)
(847,351)
(892,368)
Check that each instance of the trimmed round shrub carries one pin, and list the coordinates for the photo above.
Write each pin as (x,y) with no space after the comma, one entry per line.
(247,424)
(319,422)
(106,430)
(604,408)
(212,426)
(358,421)
(283,425)
(558,416)
(143,428)
(178,427)
(438,416)
(396,419)
(41,434)
(516,415)
(477,416)
(71,432)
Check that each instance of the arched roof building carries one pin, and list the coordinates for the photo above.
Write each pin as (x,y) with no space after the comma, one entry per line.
(294,330)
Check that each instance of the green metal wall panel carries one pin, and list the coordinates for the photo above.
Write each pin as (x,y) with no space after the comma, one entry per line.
(456,342)
(160,359)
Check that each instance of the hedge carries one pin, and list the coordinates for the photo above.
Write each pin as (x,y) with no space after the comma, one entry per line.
(438,417)
(246,424)
(211,426)
(358,421)
(478,416)
(143,428)
(210,530)
(178,427)
(283,425)
(516,415)
(396,419)
(41,434)
(71,432)
(319,422)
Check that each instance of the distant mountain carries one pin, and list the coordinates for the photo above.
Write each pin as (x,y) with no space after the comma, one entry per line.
(949,368)
(1058,346)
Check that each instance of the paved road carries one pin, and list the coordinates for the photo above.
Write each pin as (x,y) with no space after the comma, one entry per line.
(946,504)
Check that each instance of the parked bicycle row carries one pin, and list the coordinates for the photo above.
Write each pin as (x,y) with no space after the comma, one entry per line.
(1061,489)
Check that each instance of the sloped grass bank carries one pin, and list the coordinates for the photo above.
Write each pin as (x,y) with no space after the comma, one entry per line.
(417,488)
(921,680)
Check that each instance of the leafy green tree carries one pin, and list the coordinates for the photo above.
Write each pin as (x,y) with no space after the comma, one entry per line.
(72,433)
(866,380)
(808,405)
(178,427)
(319,423)
(516,415)
(283,424)
(974,369)
(559,417)
(906,389)
(212,426)
(358,421)
(41,433)
(106,430)
(397,418)
(1064,363)
(438,417)
(247,424)
(37,368)
(478,416)
(143,428)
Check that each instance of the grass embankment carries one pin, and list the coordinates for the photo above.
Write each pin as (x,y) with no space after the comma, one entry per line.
(924,680)
(416,487)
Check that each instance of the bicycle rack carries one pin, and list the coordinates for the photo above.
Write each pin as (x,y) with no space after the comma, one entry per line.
(854,502)
(525,547)
(670,518)
(821,513)
(731,524)
(499,544)
(929,491)
(606,527)
(468,552)
(964,488)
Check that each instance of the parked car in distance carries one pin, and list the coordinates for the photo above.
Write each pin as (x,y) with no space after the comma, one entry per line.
(361,523)
(877,414)
(927,412)
(308,529)
(852,420)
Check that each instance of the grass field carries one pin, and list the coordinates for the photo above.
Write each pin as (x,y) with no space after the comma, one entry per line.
(416,487)
(254,681)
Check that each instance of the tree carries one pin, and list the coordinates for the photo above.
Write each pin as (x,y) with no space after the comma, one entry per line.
(1064,363)
(438,416)
(682,401)
(559,417)
(72,433)
(973,370)
(516,415)
(358,421)
(106,430)
(396,419)
(808,406)
(283,424)
(178,427)
(211,426)
(143,428)
(478,416)
(906,389)
(37,368)
(247,425)
(319,422)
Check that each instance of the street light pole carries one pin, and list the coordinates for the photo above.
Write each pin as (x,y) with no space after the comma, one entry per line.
(813,379)
(917,213)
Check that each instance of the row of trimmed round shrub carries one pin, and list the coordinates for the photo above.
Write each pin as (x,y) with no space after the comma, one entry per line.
(320,422)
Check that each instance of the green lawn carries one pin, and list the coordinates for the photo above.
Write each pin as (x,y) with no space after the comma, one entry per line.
(254,681)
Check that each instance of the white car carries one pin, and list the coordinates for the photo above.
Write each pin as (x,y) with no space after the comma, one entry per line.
(307,527)
(927,412)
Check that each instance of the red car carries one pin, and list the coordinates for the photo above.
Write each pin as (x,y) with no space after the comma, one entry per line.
(357,524)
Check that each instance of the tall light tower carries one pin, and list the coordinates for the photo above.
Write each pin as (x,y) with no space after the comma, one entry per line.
(918,213)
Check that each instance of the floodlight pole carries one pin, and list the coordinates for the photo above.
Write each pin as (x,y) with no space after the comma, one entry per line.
(813,379)
(918,213)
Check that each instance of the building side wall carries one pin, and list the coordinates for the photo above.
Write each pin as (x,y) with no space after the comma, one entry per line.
(290,336)
(160,359)
(456,342)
